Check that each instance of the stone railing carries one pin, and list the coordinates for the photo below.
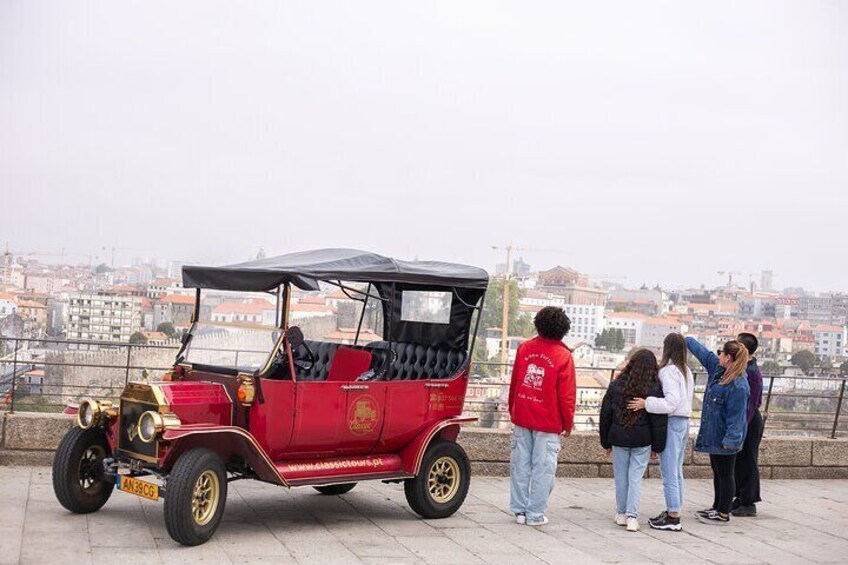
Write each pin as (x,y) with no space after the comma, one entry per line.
(31,438)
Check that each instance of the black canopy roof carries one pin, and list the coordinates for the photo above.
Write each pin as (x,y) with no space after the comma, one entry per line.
(304,269)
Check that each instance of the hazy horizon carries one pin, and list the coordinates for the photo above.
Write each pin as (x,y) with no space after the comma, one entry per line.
(657,140)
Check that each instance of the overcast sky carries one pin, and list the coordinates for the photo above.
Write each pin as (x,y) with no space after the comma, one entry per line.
(657,140)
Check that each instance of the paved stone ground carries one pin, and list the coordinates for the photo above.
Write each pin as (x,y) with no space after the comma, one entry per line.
(802,522)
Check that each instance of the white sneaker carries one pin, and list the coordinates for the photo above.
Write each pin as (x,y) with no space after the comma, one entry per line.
(538,521)
(632,524)
(620,519)
(521,519)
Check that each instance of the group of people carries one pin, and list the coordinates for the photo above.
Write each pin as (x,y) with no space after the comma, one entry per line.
(644,416)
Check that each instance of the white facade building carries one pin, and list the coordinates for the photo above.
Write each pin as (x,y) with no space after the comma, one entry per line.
(103,317)
(830,341)
(587,321)
(630,324)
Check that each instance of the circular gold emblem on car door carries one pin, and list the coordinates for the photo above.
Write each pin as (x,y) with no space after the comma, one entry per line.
(363,414)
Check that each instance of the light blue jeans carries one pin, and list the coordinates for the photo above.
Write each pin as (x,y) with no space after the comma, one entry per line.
(532,467)
(628,467)
(671,462)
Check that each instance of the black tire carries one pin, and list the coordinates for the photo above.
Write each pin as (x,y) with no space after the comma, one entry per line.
(335,489)
(426,494)
(194,469)
(78,479)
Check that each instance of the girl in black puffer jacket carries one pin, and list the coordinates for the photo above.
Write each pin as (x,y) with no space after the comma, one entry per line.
(632,436)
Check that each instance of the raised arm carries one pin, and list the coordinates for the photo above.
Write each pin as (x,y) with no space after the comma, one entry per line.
(706,357)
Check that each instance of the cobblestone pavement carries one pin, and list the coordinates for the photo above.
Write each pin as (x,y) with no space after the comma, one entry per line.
(802,522)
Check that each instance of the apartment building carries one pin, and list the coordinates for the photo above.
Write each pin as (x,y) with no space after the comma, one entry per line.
(830,340)
(103,317)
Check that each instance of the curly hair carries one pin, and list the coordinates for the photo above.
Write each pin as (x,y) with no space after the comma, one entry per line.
(641,372)
(552,323)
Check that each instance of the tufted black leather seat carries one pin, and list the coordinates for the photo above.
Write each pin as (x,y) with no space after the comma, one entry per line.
(412,361)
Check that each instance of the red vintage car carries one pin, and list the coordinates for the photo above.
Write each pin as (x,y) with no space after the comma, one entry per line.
(286,410)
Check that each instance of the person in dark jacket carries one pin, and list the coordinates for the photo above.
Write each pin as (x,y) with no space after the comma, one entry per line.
(747,460)
(723,425)
(632,436)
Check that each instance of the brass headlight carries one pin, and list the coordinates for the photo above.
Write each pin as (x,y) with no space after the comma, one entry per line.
(88,413)
(152,423)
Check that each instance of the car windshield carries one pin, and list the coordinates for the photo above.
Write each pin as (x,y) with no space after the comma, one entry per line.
(234,330)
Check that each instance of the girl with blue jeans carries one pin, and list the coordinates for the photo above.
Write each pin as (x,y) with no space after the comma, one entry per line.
(678,388)
(723,422)
(631,436)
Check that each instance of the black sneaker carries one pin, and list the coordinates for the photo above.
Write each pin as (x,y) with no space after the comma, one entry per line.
(745,510)
(704,512)
(713,517)
(665,522)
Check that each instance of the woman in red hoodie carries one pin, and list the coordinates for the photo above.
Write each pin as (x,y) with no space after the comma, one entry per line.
(541,404)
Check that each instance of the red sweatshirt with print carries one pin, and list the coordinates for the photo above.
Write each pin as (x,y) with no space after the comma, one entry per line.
(543,390)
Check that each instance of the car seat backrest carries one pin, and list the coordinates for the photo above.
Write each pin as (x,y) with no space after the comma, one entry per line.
(416,362)
(412,361)
(348,363)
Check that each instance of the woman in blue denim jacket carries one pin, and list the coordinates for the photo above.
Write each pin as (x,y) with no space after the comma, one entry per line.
(723,423)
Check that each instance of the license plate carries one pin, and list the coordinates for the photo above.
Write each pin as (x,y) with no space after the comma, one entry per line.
(139,488)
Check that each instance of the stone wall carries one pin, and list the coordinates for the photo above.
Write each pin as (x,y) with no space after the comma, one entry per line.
(31,438)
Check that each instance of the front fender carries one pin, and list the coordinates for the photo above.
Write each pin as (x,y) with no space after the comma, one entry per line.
(412,455)
(227,442)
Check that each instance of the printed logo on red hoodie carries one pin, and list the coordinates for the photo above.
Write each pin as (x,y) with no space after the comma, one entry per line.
(543,389)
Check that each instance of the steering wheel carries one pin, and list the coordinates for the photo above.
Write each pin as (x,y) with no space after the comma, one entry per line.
(388,357)
(307,361)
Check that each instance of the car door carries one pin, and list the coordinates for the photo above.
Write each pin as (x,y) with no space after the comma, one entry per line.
(364,417)
(319,417)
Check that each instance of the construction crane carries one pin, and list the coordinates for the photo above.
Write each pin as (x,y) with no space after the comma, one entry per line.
(729,276)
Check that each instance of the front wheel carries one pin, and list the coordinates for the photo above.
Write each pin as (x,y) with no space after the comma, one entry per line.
(441,485)
(335,489)
(195,497)
(78,479)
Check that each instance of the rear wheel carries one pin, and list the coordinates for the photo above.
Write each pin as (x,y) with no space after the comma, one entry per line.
(442,483)
(335,489)
(195,497)
(78,479)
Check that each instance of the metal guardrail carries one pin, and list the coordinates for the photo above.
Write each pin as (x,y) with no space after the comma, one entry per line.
(787,408)
(813,409)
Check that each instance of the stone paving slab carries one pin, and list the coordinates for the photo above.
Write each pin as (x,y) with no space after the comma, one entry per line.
(801,522)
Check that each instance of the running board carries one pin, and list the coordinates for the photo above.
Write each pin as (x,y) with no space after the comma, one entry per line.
(341,469)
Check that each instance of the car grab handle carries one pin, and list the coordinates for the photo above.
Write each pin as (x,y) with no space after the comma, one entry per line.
(354,387)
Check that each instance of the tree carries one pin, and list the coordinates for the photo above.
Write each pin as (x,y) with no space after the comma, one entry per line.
(167,328)
(618,340)
(102,268)
(517,324)
(772,368)
(825,363)
(843,368)
(138,339)
(804,360)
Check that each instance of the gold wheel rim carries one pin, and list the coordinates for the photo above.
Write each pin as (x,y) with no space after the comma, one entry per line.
(443,479)
(204,500)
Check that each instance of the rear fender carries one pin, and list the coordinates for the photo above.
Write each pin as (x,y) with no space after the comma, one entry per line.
(448,429)
(227,442)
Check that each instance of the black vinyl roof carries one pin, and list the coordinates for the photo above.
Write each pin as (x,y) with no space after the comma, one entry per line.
(305,268)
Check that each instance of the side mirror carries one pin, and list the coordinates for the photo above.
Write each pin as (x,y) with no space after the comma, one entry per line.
(295,337)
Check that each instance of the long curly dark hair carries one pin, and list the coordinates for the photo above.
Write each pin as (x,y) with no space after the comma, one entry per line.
(641,372)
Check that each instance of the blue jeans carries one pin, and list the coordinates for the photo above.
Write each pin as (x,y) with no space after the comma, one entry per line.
(671,462)
(628,467)
(532,467)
